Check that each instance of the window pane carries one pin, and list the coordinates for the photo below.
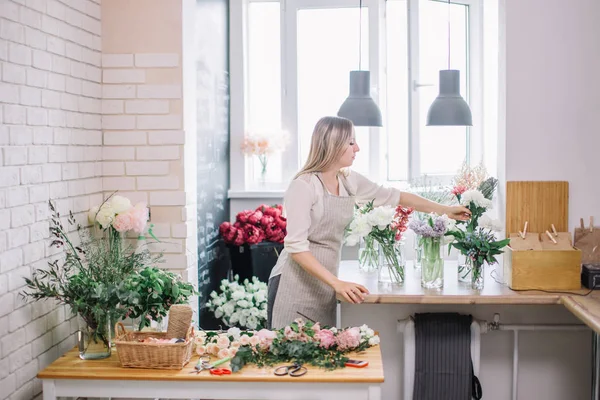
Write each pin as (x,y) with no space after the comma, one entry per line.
(397,123)
(264,80)
(444,148)
(328,49)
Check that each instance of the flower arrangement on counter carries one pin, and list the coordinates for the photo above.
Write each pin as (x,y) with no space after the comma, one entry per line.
(302,341)
(383,225)
(240,305)
(474,190)
(431,231)
(254,226)
(479,246)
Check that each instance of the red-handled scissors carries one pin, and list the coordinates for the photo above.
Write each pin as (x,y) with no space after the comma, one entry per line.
(220,371)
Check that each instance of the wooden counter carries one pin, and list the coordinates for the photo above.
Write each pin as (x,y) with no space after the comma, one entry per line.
(453,292)
(586,308)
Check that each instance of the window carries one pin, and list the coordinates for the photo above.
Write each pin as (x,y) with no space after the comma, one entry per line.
(298,55)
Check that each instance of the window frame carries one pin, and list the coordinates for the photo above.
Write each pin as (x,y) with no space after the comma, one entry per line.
(241,166)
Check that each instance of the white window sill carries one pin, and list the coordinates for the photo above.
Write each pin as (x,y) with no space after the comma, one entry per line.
(256,194)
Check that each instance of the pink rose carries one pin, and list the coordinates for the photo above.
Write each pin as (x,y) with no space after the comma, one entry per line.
(265,334)
(254,340)
(200,350)
(326,338)
(244,340)
(223,353)
(223,342)
(123,222)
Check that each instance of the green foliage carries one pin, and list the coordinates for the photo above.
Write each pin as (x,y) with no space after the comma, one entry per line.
(480,245)
(150,293)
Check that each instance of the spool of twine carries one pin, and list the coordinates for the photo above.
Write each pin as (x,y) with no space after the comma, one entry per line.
(180,318)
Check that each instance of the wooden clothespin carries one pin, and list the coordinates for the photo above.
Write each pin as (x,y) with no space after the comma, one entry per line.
(525,229)
(522,235)
(594,249)
(554,230)
(591,224)
(551,237)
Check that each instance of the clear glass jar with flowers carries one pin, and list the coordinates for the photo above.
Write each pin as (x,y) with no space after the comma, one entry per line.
(431,231)
(90,277)
(479,246)
(380,229)
(263,145)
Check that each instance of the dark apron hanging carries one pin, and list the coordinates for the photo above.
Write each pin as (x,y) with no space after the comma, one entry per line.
(443,365)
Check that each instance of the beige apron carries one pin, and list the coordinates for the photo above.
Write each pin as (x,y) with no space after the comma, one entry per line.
(300,292)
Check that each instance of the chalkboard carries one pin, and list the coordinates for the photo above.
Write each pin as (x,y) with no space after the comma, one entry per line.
(212,80)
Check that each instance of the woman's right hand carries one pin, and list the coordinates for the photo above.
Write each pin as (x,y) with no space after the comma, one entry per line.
(350,292)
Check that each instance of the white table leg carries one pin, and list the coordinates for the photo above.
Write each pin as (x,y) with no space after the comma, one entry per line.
(49,389)
(374,393)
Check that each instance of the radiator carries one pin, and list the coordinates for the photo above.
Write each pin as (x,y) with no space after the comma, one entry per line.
(407,327)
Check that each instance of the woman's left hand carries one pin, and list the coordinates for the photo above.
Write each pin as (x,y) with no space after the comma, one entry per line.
(460,213)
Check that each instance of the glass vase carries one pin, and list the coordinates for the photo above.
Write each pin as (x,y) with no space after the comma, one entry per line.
(368,255)
(476,274)
(391,263)
(432,263)
(464,269)
(418,252)
(93,337)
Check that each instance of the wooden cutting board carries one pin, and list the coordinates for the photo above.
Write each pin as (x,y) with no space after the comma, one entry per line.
(541,203)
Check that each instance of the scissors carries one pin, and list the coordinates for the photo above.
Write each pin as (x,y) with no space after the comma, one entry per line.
(294,370)
(204,363)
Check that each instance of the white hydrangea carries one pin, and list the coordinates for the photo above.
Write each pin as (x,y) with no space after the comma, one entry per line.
(240,305)
(476,197)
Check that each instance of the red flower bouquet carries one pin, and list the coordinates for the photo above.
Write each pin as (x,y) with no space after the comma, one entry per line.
(254,226)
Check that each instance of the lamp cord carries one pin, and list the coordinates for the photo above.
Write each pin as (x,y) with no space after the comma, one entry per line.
(359,34)
(448,34)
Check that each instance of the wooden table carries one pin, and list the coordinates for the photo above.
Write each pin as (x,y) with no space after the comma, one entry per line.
(71,376)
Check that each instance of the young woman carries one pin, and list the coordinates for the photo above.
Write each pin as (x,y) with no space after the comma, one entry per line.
(319,204)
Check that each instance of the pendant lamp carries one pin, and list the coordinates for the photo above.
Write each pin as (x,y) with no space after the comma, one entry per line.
(449,108)
(359,107)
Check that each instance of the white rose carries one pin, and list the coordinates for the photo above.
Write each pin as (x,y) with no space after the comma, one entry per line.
(105,216)
(218,312)
(228,309)
(238,295)
(243,303)
(235,317)
(234,332)
(260,296)
(120,204)
(252,323)
(370,332)
(374,341)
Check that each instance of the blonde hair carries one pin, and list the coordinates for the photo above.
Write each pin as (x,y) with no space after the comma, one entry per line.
(329,140)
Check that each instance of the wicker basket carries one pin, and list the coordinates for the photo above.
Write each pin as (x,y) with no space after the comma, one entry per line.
(134,354)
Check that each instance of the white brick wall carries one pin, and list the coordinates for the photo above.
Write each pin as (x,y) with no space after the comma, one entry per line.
(50,147)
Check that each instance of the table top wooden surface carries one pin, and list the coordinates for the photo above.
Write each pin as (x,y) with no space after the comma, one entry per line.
(70,366)
(453,292)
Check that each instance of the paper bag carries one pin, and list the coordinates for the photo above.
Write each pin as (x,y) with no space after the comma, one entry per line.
(588,241)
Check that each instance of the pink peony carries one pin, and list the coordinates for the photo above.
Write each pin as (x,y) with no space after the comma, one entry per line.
(243,216)
(255,217)
(123,222)
(348,339)
(139,217)
(253,234)
(326,338)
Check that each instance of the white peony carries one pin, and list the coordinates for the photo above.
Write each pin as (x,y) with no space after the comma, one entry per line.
(352,240)
(360,225)
(105,216)
(381,216)
(476,197)
(120,204)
